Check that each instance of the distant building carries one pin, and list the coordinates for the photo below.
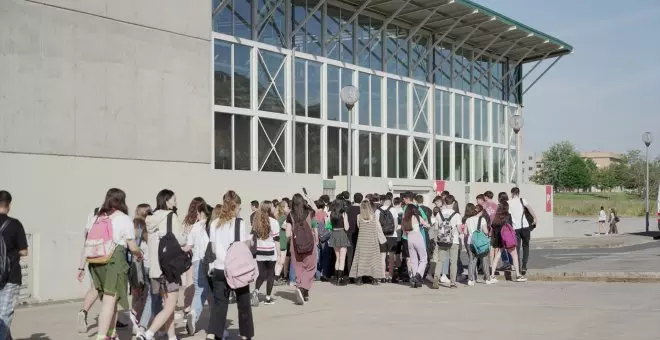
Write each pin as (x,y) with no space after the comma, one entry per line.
(602,159)
(531,164)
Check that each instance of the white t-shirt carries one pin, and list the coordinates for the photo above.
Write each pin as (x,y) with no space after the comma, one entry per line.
(455,222)
(222,237)
(602,216)
(395,214)
(268,245)
(516,210)
(198,239)
(122,227)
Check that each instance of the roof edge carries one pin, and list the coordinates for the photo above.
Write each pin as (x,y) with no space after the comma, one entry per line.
(513,22)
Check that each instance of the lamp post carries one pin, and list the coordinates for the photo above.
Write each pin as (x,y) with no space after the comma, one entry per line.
(516,123)
(349,96)
(647,138)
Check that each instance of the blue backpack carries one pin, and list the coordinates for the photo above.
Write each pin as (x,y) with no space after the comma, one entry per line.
(480,241)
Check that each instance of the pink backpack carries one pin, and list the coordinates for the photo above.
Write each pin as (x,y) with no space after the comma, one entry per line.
(509,239)
(240,265)
(99,245)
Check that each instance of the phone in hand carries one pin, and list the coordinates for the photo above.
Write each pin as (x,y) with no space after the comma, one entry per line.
(304,191)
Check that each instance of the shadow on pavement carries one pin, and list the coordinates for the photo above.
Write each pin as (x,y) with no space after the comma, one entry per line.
(36,336)
(291,296)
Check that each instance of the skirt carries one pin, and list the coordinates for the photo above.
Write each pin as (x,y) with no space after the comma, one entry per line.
(339,239)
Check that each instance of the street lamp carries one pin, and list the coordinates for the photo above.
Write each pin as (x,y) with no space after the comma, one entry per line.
(516,123)
(349,96)
(647,138)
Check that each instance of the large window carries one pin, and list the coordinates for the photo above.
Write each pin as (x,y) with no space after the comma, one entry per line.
(499,126)
(232,141)
(461,74)
(420,108)
(340,44)
(481,120)
(308,88)
(397,104)
(462,116)
(272,92)
(271,22)
(371,55)
(481,163)
(271,145)
(419,58)
(462,162)
(442,113)
(369,157)
(396,50)
(235,19)
(223,77)
(337,78)
(442,64)
(442,159)
(369,105)
(337,151)
(231,87)
(420,158)
(308,148)
(308,37)
(499,165)
(397,156)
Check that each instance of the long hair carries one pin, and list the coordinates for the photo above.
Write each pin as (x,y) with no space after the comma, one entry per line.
(191,216)
(299,212)
(337,210)
(366,211)
(230,204)
(162,198)
(406,222)
(281,209)
(267,207)
(115,200)
(502,215)
(261,224)
(470,210)
(141,212)
(502,197)
(216,212)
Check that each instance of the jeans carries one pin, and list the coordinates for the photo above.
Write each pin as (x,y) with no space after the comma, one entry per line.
(324,256)
(8,301)
(447,253)
(218,320)
(459,263)
(472,266)
(152,306)
(202,289)
(523,235)
(292,271)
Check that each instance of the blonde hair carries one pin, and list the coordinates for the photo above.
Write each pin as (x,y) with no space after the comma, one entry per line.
(261,224)
(366,213)
(230,204)
(216,212)
(280,209)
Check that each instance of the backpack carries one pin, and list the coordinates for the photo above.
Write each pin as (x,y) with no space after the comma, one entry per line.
(173,260)
(387,221)
(445,233)
(240,265)
(136,273)
(5,263)
(303,237)
(528,216)
(99,245)
(324,234)
(509,238)
(480,241)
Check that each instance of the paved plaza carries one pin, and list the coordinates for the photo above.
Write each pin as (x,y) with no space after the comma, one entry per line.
(507,310)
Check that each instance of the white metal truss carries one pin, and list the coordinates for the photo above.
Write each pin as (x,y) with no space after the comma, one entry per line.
(385,24)
(502,56)
(512,146)
(280,133)
(309,15)
(542,74)
(483,50)
(423,105)
(344,25)
(220,7)
(272,79)
(423,156)
(268,18)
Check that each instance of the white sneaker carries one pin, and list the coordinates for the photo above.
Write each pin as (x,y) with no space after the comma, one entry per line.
(490,282)
(444,279)
(470,283)
(82,322)
(493,279)
(521,279)
(190,323)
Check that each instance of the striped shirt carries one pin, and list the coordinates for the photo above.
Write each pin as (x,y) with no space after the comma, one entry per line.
(266,248)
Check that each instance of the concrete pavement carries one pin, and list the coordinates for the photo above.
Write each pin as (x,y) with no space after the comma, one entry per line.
(532,310)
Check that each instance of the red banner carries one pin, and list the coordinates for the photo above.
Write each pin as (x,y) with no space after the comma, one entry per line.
(548,198)
(439,186)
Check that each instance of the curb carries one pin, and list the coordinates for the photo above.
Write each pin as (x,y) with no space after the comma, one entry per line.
(628,277)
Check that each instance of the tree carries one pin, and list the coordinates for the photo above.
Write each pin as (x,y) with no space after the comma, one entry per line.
(593,172)
(605,178)
(554,160)
(575,175)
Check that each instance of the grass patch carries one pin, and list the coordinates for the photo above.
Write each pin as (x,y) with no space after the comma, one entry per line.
(588,204)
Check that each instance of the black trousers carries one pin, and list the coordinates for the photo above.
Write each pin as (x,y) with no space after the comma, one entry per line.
(523,235)
(266,273)
(350,252)
(218,319)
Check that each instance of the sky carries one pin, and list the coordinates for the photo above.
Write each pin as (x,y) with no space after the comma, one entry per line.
(607,93)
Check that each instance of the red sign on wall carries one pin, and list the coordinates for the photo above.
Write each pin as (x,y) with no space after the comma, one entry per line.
(548,198)
(439,186)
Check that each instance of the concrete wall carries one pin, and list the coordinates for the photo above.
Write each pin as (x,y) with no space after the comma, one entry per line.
(53,196)
(113,78)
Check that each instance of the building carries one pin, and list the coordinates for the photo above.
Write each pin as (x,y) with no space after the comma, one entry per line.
(602,159)
(205,96)
(531,164)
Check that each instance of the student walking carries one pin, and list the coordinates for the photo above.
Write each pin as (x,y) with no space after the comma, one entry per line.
(411,224)
(368,261)
(187,277)
(223,234)
(282,265)
(139,271)
(13,235)
(613,219)
(387,215)
(108,267)
(501,224)
(602,219)
(520,209)
(323,249)
(164,225)
(266,231)
(476,229)
(339,240)
(197,241)
(303,238)
(447,238)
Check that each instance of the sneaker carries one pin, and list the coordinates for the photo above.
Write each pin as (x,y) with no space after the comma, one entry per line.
(490,282)
(521,279)
(444,279)
(269,301)
(470,283)
(493,279)
(120,324)
(254,299)
(453,286)
(436,283)
(305,294)
(190,323)
(300,299)
(82,321)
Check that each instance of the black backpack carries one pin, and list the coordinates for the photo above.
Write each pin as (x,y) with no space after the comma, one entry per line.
(5,263)
(387,221)
(173,260)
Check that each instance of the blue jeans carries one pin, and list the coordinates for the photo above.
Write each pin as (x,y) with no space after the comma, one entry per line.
(202,289)
(324,253)
(152,306)
(8,301)
(292,272)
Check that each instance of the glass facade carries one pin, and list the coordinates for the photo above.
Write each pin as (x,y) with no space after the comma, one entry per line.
(426,109)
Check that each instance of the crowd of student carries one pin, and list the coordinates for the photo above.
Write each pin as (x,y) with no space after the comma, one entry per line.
(213,255)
